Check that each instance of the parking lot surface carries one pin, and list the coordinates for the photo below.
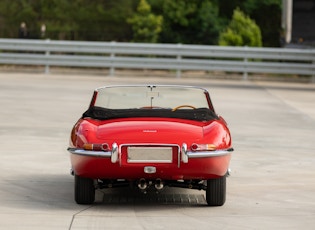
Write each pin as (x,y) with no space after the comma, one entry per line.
(272,185)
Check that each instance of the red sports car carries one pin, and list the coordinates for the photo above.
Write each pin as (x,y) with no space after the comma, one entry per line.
(150,136)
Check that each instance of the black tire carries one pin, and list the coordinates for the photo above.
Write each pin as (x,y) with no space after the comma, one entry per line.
(216,191)
(84,190)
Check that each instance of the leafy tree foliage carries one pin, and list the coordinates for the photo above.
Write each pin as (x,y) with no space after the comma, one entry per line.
(103,20)
(184,21)
(190,21)
(242,31)
(68,19)
(267,15)
(145,25)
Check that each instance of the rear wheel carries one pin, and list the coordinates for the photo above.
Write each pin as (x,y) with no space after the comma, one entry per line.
(216,191)
(84,191)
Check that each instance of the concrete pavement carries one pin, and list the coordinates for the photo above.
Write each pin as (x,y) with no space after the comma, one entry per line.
(273,178)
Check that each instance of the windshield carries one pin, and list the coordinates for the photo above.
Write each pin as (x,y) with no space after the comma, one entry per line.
(155,97)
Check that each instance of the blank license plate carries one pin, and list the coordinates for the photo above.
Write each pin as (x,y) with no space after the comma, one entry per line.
(150,154)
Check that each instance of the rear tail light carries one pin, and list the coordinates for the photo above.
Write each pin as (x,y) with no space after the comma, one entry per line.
(202,147)
(96,147)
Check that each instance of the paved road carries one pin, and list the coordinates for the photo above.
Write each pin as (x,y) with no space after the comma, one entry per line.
(273,177)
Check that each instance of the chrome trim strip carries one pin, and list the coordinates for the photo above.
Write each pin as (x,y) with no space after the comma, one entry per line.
(90,153)
(147,144)
(189,154)
(150,161)
(184,153)
(114,153)
(216,153)
(178,158)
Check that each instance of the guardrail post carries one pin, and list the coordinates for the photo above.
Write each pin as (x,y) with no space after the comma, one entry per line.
(313,75)
(47,54)
(112,56)
(245,74)
(179,57)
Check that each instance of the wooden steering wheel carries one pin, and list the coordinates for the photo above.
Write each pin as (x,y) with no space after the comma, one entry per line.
(183,106)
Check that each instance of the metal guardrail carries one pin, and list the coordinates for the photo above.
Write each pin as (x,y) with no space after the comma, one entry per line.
(177,57)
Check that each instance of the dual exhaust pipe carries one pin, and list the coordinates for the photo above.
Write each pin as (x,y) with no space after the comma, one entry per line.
(143,184)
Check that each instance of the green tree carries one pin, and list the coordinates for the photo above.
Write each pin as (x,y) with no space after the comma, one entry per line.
(190,22)
(184,21)
(242,31)
(9,24)
(103,20)
(68,19)
(55,14)
(267,15)
(146,26)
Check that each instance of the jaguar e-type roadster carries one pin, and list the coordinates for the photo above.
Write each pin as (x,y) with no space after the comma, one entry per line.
(150,136)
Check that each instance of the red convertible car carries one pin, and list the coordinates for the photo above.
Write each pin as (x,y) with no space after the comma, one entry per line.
(150,136)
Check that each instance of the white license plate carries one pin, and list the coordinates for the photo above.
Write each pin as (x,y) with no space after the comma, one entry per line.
(150,154)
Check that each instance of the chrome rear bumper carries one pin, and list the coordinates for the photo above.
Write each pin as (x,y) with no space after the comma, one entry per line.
(113,154)
(215,153)
(185,155)
(90,152)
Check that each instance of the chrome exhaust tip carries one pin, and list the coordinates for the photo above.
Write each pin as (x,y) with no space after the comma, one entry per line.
(159,184)
(142,184)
